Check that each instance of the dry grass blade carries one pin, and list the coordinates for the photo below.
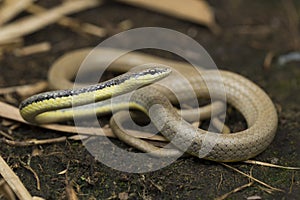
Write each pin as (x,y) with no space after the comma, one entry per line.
(32,23)
(224,196)
(252,178)
(197,11)
(72,23)
(292,183)
(38,184)
(32,49)
(268,60)
(6,135)
(37,198)
(11,8)
(9,45)
(32,142)
(254,162)
(13,181)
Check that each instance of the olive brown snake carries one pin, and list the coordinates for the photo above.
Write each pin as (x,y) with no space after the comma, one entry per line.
(253,103)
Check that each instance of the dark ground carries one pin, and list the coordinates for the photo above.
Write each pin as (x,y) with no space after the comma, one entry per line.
(250,30)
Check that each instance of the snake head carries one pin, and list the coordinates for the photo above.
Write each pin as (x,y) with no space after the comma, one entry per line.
(151,73)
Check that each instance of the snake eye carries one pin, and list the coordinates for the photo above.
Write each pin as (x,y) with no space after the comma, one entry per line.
(152,71)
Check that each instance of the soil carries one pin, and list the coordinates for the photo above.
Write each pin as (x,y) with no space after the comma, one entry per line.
(250,31)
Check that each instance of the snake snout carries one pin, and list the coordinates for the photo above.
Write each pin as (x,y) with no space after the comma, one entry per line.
(154,73)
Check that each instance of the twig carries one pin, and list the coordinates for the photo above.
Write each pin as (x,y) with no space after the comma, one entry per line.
(220,182)
(252,178)
(267,190)
(6,135)
(26,90)
(11,8)
(38,184)
(160,188)
(292,183)
(11,44)
(268,60)
(33,141)
(254,162)
(72,23)
(33,49)
(13,181)
(224,196)
(30,24)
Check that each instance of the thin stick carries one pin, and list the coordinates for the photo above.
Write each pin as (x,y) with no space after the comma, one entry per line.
(6,135)
(254,162)
(252,178)
(33,141)
(36,176)
(224,196)
(9,45)
(26,90)
(268,60)
(11,8)
(32,23)
(13,181)
(33,49)
(72,23)
(292,183)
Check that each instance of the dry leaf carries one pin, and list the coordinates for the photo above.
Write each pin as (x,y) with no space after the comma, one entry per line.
(197,11)
(62,172)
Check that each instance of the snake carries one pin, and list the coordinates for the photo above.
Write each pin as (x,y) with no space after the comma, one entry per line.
(156,101)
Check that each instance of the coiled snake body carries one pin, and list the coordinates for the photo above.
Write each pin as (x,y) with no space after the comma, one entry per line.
(254,104)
